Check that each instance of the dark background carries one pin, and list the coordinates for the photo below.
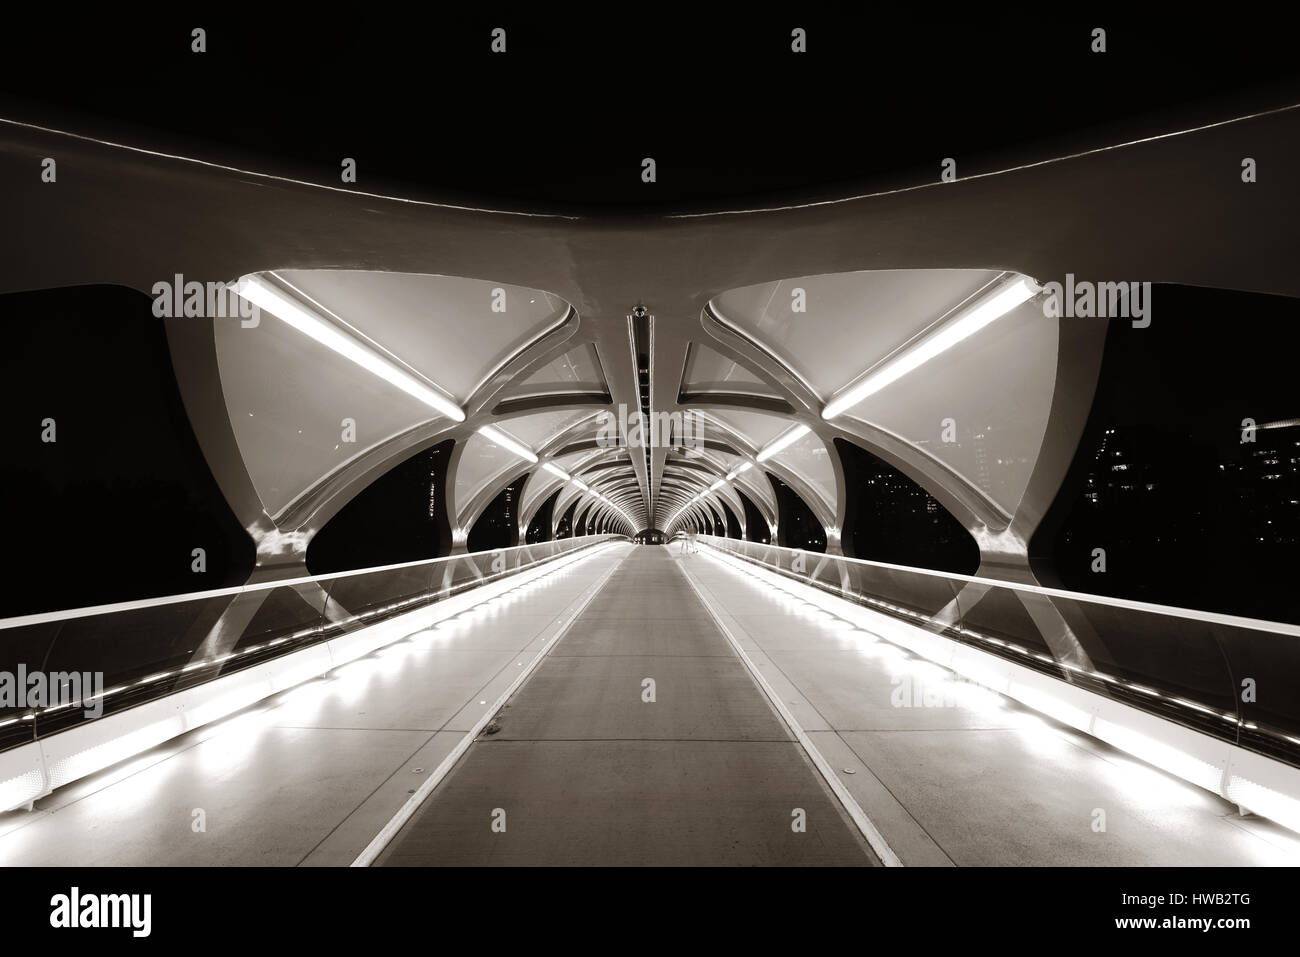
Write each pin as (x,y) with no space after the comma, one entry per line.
(563,119)
(1188,513)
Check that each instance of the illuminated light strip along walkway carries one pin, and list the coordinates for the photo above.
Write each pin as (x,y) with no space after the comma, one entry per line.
(952,773)
(308,777)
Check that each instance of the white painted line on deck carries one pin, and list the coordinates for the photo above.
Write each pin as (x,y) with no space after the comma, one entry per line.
(407,810)
(869,830)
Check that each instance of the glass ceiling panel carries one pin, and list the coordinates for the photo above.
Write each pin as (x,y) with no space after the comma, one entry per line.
(710,371)
(539,486)
(537,428)
(289,400)
(852,320)
(480,461)
(758,427)
(810,460)
(575,459)
(996,390)
(420,319)
(576,371)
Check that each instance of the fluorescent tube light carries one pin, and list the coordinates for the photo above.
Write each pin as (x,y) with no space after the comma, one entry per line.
(965,324)
(783,441)
(267,297)
(506,442)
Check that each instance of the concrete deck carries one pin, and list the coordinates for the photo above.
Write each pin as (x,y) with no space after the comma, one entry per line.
(582,769)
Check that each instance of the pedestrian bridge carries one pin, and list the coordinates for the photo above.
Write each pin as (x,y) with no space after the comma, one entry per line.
(846,532)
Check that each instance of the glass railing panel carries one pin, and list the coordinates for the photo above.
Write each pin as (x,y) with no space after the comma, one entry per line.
(133,655)
(1156,661)
(1229,677)
(998,613)
(891,587)
(22,651)
(1264,674)
(145,651)
(264,623)
(930,596)
(361,598)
